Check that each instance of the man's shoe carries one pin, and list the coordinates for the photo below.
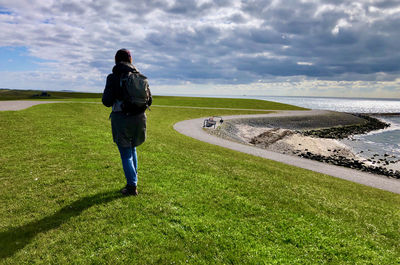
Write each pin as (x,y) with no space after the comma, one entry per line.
(129,190)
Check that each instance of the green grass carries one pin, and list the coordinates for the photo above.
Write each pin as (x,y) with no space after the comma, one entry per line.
(197,204)
(222,103)
(15,94)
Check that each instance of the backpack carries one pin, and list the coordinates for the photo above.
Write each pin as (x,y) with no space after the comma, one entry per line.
(135,93)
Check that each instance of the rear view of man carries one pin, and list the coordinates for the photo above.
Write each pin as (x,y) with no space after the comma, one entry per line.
(127,92)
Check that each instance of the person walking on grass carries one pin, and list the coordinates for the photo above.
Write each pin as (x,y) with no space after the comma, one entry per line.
(127,92)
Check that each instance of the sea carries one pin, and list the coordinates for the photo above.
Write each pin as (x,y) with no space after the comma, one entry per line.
(385,143)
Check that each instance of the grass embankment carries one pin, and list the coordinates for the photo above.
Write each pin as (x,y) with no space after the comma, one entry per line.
(198,203)
(16,94)
(221,103)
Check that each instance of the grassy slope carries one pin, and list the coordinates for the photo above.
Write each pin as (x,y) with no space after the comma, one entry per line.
(199,203)
(221,103)
(15,94)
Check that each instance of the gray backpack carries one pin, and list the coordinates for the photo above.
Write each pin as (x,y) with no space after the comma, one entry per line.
(135,92)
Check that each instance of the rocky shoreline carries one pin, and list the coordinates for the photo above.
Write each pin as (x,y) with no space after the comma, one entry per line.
(341,132)
(313,137)
(354,163)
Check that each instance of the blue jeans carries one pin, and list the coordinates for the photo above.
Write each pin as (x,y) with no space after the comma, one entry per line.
(129,164)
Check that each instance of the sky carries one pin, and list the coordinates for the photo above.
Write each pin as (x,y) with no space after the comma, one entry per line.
(337,48)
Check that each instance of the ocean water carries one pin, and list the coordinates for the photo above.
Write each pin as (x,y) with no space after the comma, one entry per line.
(379,142)
(354,105)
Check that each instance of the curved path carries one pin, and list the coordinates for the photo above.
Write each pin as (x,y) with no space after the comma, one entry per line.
(193,128)
(21,104)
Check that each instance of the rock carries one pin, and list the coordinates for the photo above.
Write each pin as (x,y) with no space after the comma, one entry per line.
(349,130)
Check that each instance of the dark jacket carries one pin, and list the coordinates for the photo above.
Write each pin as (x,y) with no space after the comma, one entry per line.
(112,92)
(127,130)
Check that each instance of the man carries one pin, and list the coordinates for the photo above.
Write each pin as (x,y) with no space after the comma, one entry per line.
(128,123)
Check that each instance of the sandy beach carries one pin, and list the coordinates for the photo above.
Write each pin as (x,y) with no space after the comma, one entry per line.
(296,136)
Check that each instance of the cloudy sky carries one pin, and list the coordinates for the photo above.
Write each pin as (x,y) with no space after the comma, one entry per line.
(226,47)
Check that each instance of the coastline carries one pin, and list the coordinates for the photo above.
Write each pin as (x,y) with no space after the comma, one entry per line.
(315,137)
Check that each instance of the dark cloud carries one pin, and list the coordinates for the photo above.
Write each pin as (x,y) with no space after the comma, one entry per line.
(71,8)
(289,33)
(386,4)
(237,18)
(220,41)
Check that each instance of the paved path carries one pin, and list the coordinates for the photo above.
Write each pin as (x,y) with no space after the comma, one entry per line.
(21,104)
(193,128)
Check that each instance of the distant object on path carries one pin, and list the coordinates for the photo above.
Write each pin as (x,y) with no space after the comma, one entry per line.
(44,94)
(211,122)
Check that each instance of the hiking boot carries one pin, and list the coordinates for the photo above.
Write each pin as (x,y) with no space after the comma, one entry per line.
(129,190)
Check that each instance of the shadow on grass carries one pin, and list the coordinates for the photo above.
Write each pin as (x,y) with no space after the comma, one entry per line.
(16,238)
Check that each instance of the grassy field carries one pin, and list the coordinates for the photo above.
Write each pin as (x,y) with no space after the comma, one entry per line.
(15,94)
(198,203)
(221,103)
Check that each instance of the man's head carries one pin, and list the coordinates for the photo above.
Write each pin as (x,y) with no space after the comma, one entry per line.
(123,55)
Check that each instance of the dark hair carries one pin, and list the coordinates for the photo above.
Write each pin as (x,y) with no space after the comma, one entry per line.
(123,55)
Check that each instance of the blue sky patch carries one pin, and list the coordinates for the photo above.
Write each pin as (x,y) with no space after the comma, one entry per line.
(5,11)
(48,21)
(18,59)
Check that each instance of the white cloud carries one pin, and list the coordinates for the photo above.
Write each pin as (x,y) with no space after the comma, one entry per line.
(304,63)
(300,87)
(230,44)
